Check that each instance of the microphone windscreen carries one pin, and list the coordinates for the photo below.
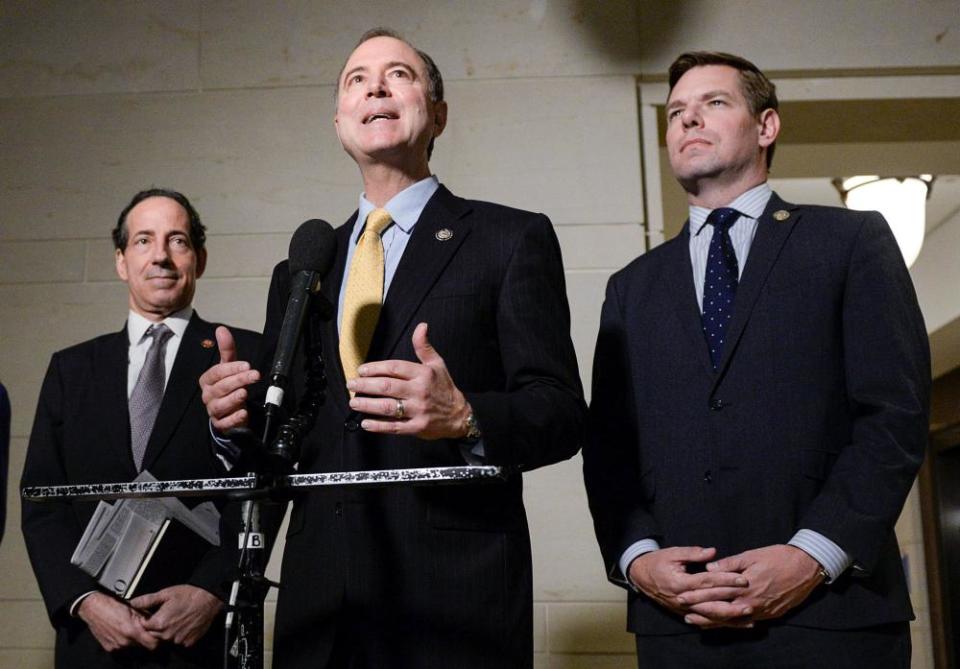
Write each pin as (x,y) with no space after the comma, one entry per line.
(312,247)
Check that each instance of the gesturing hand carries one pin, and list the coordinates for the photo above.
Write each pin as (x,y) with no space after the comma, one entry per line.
(224,386)
(780,577)
(411,398)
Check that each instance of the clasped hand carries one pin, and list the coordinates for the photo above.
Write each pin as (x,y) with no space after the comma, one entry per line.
(180,614)
(735,591)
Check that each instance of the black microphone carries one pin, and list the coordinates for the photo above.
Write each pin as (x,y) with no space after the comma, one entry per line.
(312,249)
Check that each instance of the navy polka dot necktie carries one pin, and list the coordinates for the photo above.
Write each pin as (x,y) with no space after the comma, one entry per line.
(720,282)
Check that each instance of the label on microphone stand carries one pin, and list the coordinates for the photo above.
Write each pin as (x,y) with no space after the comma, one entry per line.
(275,396)
(254,541)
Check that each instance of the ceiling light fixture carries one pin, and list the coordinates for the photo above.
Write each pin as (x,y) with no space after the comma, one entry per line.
(901,200)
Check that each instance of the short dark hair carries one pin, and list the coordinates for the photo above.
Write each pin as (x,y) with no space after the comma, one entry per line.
(760,92)
(198,231)
(434,78)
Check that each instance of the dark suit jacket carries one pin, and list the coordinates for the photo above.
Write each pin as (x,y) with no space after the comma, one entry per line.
(81,434)
(439,576)
(817,417)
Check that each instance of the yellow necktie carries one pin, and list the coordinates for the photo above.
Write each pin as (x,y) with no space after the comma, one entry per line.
(364,294)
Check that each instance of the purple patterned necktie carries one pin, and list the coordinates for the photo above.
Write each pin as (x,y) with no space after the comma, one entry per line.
(147,394)
(720,282)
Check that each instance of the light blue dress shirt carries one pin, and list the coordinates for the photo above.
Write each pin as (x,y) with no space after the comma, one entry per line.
(750,204)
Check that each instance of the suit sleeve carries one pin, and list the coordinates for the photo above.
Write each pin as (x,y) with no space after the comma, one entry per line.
(537,419)
(611,470)
(887,370)
(51,529)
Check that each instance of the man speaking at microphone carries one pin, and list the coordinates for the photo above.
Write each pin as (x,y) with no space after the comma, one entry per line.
(450,345)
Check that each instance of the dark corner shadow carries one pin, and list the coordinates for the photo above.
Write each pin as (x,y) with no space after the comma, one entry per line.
(629,30)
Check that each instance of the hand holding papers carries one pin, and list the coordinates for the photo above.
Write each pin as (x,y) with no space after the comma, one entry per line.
(122,540)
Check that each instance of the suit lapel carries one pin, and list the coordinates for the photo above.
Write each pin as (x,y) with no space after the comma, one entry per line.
(767,244)
(425,257)
(110,372)
(330,289)
(684,297)
(193,358)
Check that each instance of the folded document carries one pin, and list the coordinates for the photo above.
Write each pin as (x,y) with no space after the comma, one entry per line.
(141,545)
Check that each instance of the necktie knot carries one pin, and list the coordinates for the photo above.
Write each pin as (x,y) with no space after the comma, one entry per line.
(159,332)
(723,218)
(378,220)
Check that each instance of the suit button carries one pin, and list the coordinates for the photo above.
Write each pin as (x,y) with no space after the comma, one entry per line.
(716,404)
(338,509)
(351,424)
(708,476)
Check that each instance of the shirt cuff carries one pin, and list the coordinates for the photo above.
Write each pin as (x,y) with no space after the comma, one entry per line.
(634,551)
(831,557)
(473,454)
(226,451)
(77,601)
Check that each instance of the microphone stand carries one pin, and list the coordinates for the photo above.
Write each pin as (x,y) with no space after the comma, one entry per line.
(271,466)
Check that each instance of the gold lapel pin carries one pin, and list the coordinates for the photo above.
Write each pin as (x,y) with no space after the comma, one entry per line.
(208,343)
(781,214)
(443,234)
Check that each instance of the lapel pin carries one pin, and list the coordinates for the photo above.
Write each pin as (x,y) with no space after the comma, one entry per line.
(443,234)
(781,214)
(208,343)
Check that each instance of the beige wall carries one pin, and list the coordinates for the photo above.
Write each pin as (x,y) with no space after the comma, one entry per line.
(231,102)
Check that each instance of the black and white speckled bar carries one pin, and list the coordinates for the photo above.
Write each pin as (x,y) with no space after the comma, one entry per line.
(210,487)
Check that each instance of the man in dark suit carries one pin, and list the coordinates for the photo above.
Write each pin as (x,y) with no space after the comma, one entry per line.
(420,577)
(759,409)
(84,433)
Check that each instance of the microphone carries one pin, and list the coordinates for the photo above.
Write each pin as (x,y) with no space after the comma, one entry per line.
(312,249)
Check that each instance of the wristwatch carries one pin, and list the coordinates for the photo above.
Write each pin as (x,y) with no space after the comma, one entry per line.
(473,429)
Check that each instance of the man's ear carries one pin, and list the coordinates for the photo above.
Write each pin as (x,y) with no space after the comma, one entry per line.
(336,127)
(769,127)
(121,263)
(201,261)
(439,117)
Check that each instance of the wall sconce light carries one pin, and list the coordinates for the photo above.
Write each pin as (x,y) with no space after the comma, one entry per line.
(901,200)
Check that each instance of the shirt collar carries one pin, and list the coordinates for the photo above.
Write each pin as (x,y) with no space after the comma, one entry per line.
(750,203)
(405,207)
(177,322)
